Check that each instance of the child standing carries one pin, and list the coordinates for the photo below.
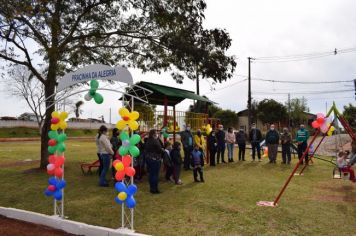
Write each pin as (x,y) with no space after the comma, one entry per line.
(197,159)
(177,162)
(167,161)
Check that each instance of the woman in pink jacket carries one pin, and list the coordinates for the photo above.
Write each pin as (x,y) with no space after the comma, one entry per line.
(230,141)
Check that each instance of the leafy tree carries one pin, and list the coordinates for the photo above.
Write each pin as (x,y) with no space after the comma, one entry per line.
(227,117)
(147,112)
(298,108)
(350,115)
(153,35)
(270,111)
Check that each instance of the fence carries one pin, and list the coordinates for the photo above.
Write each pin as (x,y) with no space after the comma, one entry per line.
(71,125)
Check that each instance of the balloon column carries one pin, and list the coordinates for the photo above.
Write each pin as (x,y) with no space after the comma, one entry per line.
(98,98)
(56,148)
(128,150)
(323,123)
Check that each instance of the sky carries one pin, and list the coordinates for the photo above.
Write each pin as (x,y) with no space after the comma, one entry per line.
(260,28)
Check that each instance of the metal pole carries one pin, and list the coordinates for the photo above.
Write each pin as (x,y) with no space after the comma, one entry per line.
(249,94)
(295,170)
(132,178)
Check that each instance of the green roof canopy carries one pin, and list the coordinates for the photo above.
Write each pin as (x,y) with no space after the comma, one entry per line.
(173,95)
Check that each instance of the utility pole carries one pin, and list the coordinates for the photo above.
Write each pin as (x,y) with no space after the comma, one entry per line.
(289,111)
(198,92)
(249,94)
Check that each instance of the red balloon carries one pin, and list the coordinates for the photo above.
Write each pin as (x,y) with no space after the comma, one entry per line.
(52,159)
(126,160)
(59,161)
(315,124)
(54,121)
(58,172)
(130,171)
(51,188)
(52,142)
(119,175)
(320,120)
(50,172)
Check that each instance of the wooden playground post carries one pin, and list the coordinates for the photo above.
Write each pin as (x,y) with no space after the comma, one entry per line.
(174,123)
(295,169)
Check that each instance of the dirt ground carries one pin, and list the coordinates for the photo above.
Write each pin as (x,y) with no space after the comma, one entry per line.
(11,227)
(331,144)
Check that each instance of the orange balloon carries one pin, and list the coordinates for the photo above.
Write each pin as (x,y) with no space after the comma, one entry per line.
(119,175)
(126,160)
(130,171)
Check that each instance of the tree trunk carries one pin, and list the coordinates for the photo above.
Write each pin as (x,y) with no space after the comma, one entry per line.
(49,90)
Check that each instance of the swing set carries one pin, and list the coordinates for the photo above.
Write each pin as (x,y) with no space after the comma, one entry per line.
(337,116)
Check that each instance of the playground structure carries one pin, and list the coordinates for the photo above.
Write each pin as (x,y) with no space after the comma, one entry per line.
(337,116)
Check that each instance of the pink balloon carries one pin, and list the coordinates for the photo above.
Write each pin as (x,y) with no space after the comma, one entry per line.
(50,167)
(126,160)
(51,188)
(52,142)
(320,115)
(324,128)
(54,120)
(119,175)
(130,171)
(315,124)
(58,172)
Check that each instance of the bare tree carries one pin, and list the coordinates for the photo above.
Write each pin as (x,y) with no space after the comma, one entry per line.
(24,86)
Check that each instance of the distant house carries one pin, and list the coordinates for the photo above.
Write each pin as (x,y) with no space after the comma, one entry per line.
(28,116)
(93,120)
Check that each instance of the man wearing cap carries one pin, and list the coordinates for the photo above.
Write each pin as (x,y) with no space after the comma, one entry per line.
(188,144)
(220,137)
(255,139)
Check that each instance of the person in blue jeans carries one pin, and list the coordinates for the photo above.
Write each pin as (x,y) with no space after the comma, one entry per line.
(153,155)
(255,139)
(105,151)
(230,143)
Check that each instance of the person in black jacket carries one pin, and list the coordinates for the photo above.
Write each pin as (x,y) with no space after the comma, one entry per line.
(153,155)
(177,162)
(272,141)
(255,139)
(212,145)
(197,161)
(241,141)
(220,137)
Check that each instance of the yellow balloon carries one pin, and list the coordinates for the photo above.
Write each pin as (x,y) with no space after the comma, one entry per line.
(124,112)
(133,124)
(63,125)
(55,114)
(119,166)
(122,196)
(121,124)
(63,115)
(134,115)
(54,126)
(208,130)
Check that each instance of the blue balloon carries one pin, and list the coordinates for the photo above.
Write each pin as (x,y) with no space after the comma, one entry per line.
(120,187)
(118,201)
(61,184)
(52,181)
(130,202)
(58,195)
(131,189)
(48,193)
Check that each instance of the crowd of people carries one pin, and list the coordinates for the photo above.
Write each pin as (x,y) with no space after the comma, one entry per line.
(153,152)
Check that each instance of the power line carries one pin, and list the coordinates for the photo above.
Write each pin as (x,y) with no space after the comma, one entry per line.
(306,92)
(228,86)
(306,56)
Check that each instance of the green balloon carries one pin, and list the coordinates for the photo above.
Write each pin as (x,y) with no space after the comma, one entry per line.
(134,151)
(98,98)
(61,147)
(166,135)
(53,134)
(92,92)
(94,84)
(52,149)
(62,137)
(123,151)
(124,135)
(135,139)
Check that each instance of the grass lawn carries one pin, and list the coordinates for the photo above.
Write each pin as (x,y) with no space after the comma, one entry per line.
(314,204)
